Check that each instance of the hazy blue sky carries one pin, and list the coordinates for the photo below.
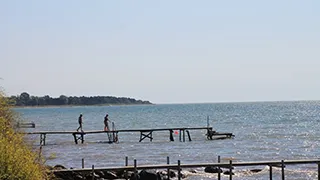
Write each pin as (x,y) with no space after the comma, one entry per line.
(176,51)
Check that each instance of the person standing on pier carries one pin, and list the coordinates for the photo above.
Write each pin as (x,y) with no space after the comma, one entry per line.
(80,123)
(106,123)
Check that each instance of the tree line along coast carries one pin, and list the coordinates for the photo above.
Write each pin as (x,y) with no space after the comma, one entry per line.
(24,99)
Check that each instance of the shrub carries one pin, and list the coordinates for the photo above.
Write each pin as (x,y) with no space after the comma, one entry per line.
(17,160)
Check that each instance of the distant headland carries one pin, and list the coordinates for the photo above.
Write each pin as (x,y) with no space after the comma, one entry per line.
(24,99)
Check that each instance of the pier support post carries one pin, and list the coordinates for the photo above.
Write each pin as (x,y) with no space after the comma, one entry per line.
(179,170)
(43,139)
(92,172)
(184,136)
(270,172)
(82,138)
(109,137)
(230,170)
(116,140)
(78,138)
(318,171)
(135,168)
(113,133)
(189,137)
(210,133)
(82,163)
(219,174)
(168,170)
(75,138)
(126,172)
(171,135)
(282,169)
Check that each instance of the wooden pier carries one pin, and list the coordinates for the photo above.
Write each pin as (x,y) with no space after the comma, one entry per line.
(230,166)
(144,133)
(25,125)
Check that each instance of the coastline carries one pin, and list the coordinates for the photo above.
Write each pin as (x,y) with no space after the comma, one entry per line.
(62,106)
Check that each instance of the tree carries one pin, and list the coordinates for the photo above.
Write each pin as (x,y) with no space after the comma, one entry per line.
(34,101)
(63,100)
(24,98)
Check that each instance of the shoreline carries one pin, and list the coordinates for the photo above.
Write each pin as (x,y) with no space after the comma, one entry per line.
(222,102)
(62,106)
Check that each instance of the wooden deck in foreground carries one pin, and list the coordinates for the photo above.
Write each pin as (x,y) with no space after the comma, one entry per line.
(230,166)
(144,133)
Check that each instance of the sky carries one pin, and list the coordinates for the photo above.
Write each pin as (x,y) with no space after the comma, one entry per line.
(178,51)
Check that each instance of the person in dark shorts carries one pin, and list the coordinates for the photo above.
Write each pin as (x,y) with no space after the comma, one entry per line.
(106,123)
(80,123)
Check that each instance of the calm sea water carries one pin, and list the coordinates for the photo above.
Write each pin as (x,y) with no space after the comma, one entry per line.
(263,131)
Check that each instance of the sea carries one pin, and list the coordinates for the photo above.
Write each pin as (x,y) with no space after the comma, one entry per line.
(264,131)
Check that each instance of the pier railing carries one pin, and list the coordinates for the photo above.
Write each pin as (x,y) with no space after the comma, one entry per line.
(230,166)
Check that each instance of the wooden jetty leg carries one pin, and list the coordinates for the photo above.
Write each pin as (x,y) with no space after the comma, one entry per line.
(219,174)
(125,171)
(82,138)
(179,170)
(116,138)
(188,133)
(109,137)
(184,136)
(168,170)
(42,139)
(209,134)
(318,171)
(143,136)
(75,138)
(230,170)
(113,134)
(92,172)
(135,168)
(282,169)
(150,135)
(171,135)
(113,137)
(270,172)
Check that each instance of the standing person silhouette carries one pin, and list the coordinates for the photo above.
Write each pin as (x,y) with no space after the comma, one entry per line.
(106,123)
(80,123)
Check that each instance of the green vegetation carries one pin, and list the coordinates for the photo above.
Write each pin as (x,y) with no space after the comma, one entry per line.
(17,160)
(24,99)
